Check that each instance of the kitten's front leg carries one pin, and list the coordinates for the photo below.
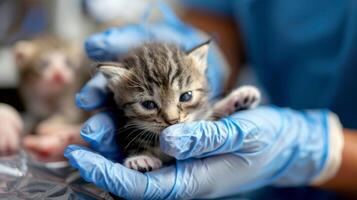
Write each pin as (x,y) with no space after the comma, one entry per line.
(143,162)
(242,98)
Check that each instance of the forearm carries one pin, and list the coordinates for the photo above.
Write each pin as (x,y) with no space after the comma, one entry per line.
(345,181)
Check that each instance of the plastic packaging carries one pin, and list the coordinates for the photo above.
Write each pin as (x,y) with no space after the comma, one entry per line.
(25,178)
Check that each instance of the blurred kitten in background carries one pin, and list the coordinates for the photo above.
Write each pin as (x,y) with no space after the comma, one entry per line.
(50,75)
(51,71)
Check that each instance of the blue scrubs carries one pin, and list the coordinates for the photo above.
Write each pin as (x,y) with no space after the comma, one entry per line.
(303,52)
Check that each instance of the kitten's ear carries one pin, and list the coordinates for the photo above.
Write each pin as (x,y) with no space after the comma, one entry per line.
(113,71)
(200,55)
(23,52)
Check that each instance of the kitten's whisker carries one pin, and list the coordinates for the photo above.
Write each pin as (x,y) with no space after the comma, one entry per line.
(156,139)
(147,139)
(124,128)
(148,144)
(144,139)
(131,132)
(136,137)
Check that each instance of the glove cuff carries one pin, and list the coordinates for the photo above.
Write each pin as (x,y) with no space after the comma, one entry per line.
(335,143)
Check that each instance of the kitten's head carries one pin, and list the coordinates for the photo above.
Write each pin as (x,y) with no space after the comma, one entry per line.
(157,85)
(47,62)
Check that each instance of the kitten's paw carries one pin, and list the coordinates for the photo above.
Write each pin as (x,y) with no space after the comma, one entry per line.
(143,163)
(239,99)
(244,97)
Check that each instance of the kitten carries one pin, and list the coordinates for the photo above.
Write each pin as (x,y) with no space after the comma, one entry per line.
(48,79)
(158,85)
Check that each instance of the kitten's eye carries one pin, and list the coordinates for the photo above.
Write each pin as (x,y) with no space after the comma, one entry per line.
(187,96)
(150,105)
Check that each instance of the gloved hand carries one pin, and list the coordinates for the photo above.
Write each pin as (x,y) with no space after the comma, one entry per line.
(250,149)
(114,42)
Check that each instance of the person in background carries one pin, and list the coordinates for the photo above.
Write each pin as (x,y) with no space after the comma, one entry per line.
(303,54)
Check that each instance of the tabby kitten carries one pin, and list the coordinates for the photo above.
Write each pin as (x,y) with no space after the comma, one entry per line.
(51,70)
(157,85)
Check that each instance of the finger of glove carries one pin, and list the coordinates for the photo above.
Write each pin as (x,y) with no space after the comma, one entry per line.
(110,44)
(94,94)
(100,131)
(112,177)
(196,139)
(249,130)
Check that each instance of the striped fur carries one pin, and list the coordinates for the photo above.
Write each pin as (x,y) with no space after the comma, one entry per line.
(160,73)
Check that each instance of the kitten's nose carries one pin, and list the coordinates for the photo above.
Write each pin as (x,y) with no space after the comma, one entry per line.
(170,115)
(58,78)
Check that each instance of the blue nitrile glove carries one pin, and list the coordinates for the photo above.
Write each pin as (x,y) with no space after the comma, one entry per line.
(115,42)
(250,149)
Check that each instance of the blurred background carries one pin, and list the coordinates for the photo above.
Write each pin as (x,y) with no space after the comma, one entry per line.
(74,20)
(71,19)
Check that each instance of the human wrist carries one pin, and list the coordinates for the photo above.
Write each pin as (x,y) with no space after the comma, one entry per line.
(335,147)
(306,145)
